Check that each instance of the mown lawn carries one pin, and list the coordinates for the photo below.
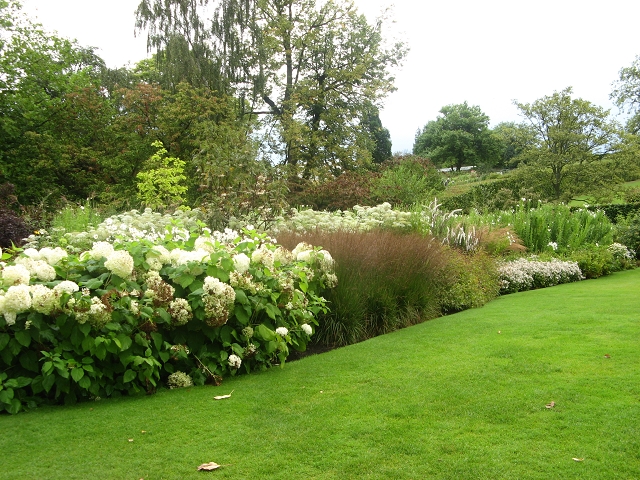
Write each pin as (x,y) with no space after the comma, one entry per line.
(463,396)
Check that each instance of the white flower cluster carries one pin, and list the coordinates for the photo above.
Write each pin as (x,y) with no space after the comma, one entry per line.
(526,274)
(180,311)
(234,361)
(621,252)
(119,262)
(218,301)
(358,219)
(21,298)
(282,331)
(306,328)
(179,380)
(97,313)
(241,263)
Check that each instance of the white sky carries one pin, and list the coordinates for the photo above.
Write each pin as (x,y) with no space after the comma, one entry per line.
(487,52)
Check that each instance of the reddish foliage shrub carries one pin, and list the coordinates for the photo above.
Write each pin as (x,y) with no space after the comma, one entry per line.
(340,193)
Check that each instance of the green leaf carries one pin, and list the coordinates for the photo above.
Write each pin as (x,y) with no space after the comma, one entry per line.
(85,382)
(272,311)
(241,314)
(241,297)
(15,406)
(87,344)
(163,314)
(29,361)
(24,338)
(47,367)
(225,334)
(185,280)
(6,395)
(264,333)
(129,375)
(77,374)
(92,284)
(125,342)
(157,339)
(48,382)
(4,340)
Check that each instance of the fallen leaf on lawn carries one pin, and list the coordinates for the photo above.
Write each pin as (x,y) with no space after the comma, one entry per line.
(606,355)
(550,405)
(222,397)
(131,439)
(577,459)
(143,431)
(209,466)
(499,331)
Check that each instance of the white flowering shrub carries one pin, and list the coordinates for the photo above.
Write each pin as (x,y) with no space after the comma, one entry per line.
(449,227)
(529,273)
(130,313)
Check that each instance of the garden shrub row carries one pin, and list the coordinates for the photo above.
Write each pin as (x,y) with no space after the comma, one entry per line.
(124,320)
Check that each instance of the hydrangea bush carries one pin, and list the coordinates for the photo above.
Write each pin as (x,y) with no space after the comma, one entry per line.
(128,315)
(529,273)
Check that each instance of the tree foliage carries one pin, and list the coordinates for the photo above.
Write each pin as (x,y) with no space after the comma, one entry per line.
(459,136)
(308,68)
(571,135)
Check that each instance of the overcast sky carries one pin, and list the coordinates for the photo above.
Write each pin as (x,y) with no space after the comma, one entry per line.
(485,52)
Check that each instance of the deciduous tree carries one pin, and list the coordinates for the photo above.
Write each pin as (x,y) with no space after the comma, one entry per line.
(459,136)
(571,135)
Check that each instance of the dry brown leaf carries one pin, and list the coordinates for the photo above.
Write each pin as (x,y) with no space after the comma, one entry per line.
(222,397)
(550,405)
(578,459)
(606,355)
(209,466)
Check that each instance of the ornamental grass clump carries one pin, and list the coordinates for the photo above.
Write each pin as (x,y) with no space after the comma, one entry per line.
(388,281)
(545,227)
(131,315)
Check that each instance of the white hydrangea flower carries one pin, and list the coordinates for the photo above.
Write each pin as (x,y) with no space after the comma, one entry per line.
(282,331)
(66,286)
(32,253)
(100,250)
(306,328)
(53,255)
(179,380)
(120,263)
(205,243)
(44,271)
(304,256)
(44,299)
(234,361)
(15,275)
(180,311)
(241,262)
(17,299)
(263,256)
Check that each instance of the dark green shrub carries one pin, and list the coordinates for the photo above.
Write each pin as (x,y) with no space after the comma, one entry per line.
(627,232)
(469,281)
(407,180)
(594,261)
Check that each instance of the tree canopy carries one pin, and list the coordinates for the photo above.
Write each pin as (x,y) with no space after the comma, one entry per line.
(309,68)
(570,135)
(459,136)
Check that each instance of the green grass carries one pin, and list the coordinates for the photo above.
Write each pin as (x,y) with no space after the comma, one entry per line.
(457,397)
